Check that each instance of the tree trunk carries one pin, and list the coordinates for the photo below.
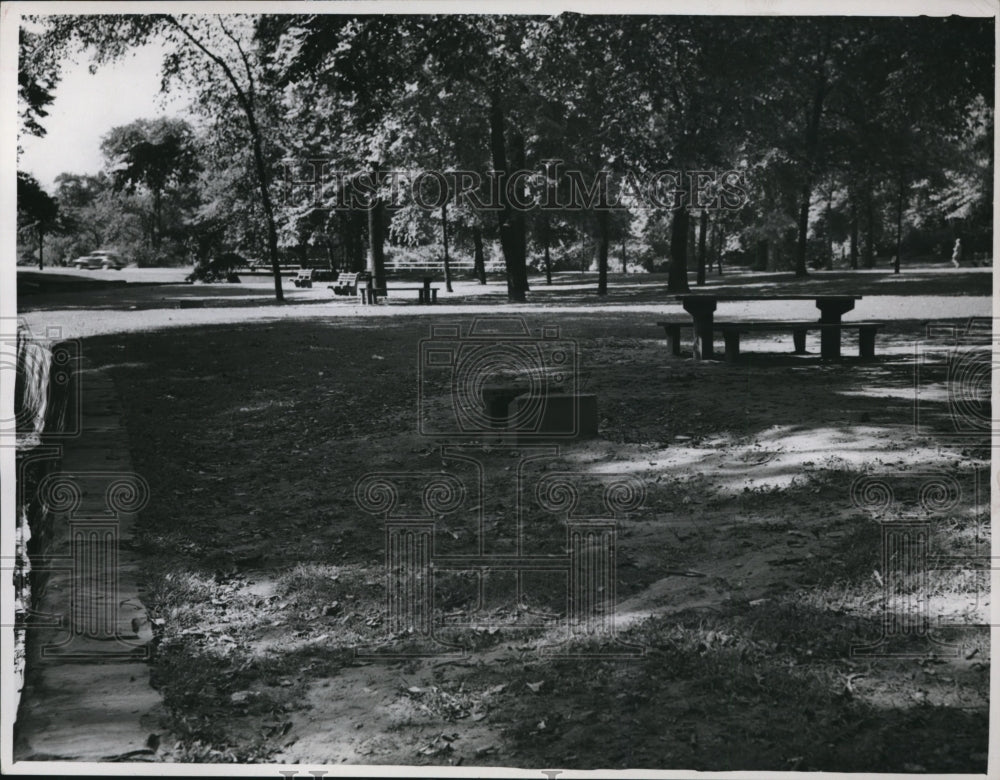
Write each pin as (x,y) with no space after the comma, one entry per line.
(812,148)
(803,230)
(702,235)
(444,237)
(762,254)
(900,198)
(677,274)
(719,243)
(357,258)
(692,244)
(510,221)
(546,237)
(41,242)
(869,226)
(829,231)
(157,219)
(854,229)
(479,260)
(604,242)
(245,99)
(376,235)
(265,197)
(376,244)
(519,222)
(624,258)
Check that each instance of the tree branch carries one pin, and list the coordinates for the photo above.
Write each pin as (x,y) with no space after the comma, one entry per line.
(240,93)
(243,56)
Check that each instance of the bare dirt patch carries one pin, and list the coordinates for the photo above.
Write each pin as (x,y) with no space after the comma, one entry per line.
(746,579)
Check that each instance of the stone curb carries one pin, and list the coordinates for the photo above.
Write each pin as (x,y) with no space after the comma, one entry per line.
(87,693)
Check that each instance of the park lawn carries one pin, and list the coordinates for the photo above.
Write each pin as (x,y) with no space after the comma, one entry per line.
(746,579)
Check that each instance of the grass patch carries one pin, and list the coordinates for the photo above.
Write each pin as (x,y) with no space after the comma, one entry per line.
(266,577)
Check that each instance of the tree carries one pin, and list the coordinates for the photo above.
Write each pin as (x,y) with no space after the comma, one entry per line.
(697,75)
(36,210)
(214,55)
(371,63)
(37,77)
(156,154)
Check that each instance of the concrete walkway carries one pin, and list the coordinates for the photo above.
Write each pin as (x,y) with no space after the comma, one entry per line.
(87,695)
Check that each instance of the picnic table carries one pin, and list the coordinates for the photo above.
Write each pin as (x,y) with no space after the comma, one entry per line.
(702,306)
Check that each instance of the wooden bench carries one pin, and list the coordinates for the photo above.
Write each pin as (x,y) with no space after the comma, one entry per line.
(731,333)
(362,285)
(673,331)
(701,306)
(346,284)
(303,278)
(359,284)
(426,294)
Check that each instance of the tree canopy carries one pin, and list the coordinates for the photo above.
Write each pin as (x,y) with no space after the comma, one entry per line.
(783,137)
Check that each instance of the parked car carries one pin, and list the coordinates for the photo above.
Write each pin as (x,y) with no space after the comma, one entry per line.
(101,259)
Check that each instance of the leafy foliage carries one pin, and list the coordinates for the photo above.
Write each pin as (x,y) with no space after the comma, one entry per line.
(871,135)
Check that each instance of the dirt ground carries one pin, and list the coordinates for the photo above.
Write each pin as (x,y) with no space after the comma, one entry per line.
(747,586)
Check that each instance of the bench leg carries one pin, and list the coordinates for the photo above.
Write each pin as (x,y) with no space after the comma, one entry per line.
(829,343)
(673,339)
(866,342)
(434,296)
(799,338)
(732,345)
(703,315)
(831,309)
(420,296)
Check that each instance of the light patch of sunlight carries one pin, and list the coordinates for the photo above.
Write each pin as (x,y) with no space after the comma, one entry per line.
(265,405)
(907,394)
(116,366)
(775,458)
(959,608)
(930,392)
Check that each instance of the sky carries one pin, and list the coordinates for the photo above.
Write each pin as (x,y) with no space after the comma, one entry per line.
(87,106)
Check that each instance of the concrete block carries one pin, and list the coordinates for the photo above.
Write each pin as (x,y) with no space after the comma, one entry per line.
(558,416)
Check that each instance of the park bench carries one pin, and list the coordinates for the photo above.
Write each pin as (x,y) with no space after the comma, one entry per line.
(701,307)
(362,285)
(731,333)
(306,277)
(346,284)
(426,294)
